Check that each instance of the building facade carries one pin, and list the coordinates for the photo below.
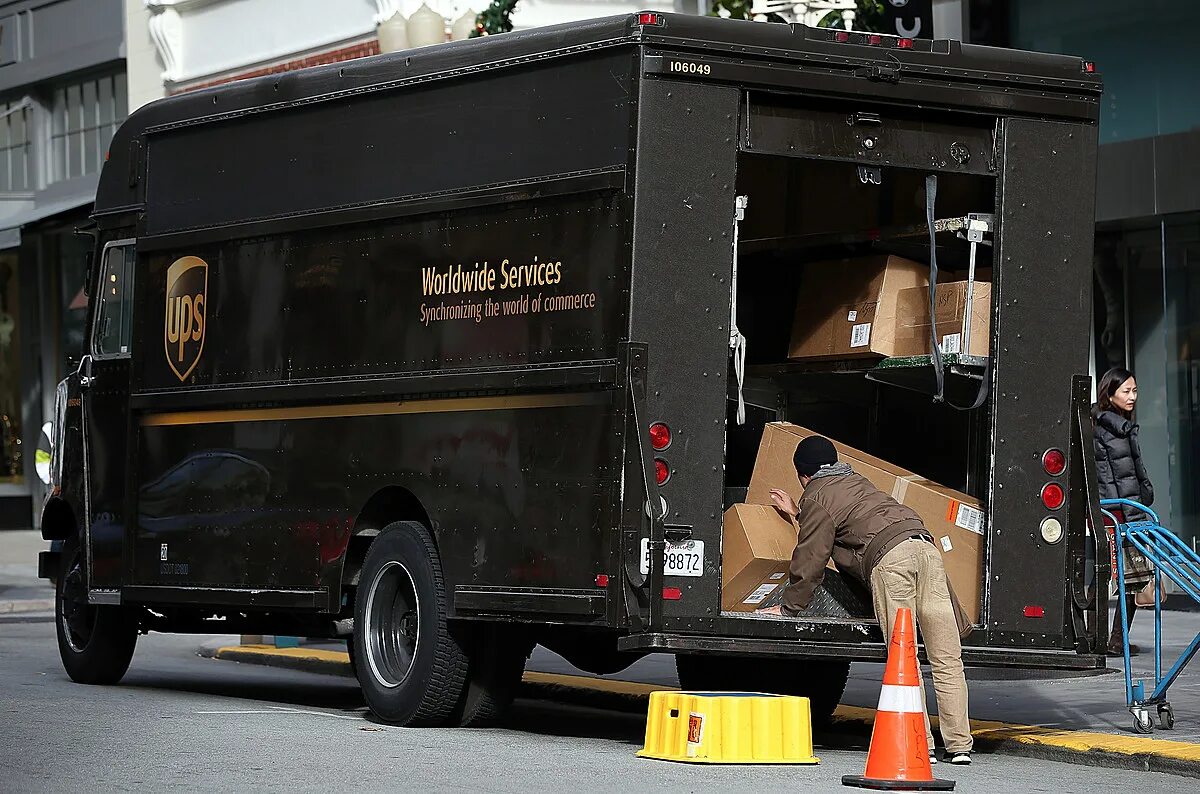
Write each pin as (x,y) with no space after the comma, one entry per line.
(183,45)
(62,94)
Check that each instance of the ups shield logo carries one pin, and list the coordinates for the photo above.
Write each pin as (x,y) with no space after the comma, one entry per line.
(187,299)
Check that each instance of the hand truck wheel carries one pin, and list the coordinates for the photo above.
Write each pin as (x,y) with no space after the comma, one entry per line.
(1166,716)
(1142,722)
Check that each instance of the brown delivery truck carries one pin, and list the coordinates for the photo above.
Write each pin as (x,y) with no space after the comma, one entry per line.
(458,350)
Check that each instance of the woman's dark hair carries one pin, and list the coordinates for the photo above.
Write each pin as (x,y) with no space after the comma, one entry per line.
(1109,383)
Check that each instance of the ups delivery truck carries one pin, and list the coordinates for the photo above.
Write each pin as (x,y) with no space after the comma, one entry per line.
(455,351)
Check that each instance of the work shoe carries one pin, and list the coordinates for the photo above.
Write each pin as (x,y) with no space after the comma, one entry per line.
(962,758)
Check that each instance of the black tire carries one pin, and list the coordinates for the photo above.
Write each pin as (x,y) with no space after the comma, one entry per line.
(411,667)
(95,643)
(497,654)
(822,681)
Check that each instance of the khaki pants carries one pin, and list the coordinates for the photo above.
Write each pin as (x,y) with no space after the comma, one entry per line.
(911,575)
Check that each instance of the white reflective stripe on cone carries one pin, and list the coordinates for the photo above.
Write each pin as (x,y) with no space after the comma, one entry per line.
(900,699)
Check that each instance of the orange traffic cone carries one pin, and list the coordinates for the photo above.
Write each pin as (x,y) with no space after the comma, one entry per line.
(899,759)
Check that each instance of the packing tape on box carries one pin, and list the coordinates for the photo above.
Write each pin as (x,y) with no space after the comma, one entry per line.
(900,489)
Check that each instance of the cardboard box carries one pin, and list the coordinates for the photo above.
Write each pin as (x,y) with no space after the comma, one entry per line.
(913,333)
(756,549)
(847,308)
(953,518)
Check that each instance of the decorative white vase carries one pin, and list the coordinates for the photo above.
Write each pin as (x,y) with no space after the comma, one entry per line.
(393,34)
(463,26)
(426,27)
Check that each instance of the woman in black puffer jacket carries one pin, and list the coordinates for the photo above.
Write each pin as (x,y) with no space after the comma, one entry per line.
(1122,475)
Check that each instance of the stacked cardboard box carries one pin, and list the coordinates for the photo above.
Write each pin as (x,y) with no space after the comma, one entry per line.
(848,308)
(758,542)
(914,334)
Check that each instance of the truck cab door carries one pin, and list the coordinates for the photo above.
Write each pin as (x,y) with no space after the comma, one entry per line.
(104,397)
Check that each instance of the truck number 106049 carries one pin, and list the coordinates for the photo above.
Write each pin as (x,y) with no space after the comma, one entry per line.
(689,68)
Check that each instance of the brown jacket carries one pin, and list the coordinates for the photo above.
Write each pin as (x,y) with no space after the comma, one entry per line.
(847,518)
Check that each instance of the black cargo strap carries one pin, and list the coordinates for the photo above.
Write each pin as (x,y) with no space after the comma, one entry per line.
(939,368)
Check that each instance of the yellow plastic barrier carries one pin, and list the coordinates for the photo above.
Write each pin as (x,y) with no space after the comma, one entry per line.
(728,728)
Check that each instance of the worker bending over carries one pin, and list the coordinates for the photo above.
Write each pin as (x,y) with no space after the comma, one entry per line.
(883,544)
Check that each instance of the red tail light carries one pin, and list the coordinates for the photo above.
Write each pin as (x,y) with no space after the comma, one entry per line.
(672,593)
(1054,462)
(1035,612)
(601,580)
(662,472)
(660,436)
(1053,496)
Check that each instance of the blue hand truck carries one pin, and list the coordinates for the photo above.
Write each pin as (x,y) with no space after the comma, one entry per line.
(1173,559)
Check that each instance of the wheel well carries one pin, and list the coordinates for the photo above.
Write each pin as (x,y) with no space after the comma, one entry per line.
(58,520)
(387,505)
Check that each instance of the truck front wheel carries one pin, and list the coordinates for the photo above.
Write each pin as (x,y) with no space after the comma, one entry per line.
(822,681)
(95,642)
(411,668)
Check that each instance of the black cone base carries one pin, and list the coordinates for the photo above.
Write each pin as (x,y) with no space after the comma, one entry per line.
(858,781)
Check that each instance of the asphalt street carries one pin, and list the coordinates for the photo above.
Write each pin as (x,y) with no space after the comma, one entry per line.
(182,722)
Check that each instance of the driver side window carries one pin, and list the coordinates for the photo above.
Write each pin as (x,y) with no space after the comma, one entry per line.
(114,315)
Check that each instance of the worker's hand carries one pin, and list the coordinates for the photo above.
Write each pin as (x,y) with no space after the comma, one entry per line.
(775,610)
(784,503)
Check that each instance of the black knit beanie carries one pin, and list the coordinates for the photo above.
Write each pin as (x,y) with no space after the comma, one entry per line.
(812,453)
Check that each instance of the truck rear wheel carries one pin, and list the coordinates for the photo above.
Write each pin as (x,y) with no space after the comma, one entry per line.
(95,643)
(822,681)
(497,655)
(411,667)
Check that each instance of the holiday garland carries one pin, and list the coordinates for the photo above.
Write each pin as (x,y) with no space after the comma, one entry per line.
(496,18)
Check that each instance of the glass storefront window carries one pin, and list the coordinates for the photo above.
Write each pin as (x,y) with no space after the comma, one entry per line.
(1181,310)
(1145,52)
(11,470)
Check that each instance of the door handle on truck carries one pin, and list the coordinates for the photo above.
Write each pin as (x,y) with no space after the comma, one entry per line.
(85,371)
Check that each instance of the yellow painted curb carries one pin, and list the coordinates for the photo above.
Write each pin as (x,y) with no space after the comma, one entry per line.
(316,654)
(984,731)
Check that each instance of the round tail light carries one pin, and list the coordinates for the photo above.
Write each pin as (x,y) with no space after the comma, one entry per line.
(1053,496)
(662,472)
(1054,462)
(660,436)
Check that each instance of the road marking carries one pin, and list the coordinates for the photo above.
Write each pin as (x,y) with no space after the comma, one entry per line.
(282,710)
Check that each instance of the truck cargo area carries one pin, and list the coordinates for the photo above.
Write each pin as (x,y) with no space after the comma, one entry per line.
(833,301)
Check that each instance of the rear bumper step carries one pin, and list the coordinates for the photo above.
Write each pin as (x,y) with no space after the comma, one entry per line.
(859,652)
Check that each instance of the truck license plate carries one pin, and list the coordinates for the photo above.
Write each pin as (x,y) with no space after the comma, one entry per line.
(685,558)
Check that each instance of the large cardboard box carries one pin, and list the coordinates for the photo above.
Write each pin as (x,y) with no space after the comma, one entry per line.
(953,518)
(847,308)
(913,332)
(755,555)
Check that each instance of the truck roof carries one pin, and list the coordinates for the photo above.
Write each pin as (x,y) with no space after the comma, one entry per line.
(992,70)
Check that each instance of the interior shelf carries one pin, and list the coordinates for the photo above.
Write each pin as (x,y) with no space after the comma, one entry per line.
(962,374)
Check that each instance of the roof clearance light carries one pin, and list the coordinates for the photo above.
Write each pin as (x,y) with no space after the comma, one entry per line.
(649,18)
(905,44)
(841,36)
(1089,67)
(874,39)
(660,436)
(1053,496)
(1054,462)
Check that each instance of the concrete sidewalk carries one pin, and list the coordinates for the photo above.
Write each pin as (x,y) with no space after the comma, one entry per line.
(20,589)
(1056,716)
